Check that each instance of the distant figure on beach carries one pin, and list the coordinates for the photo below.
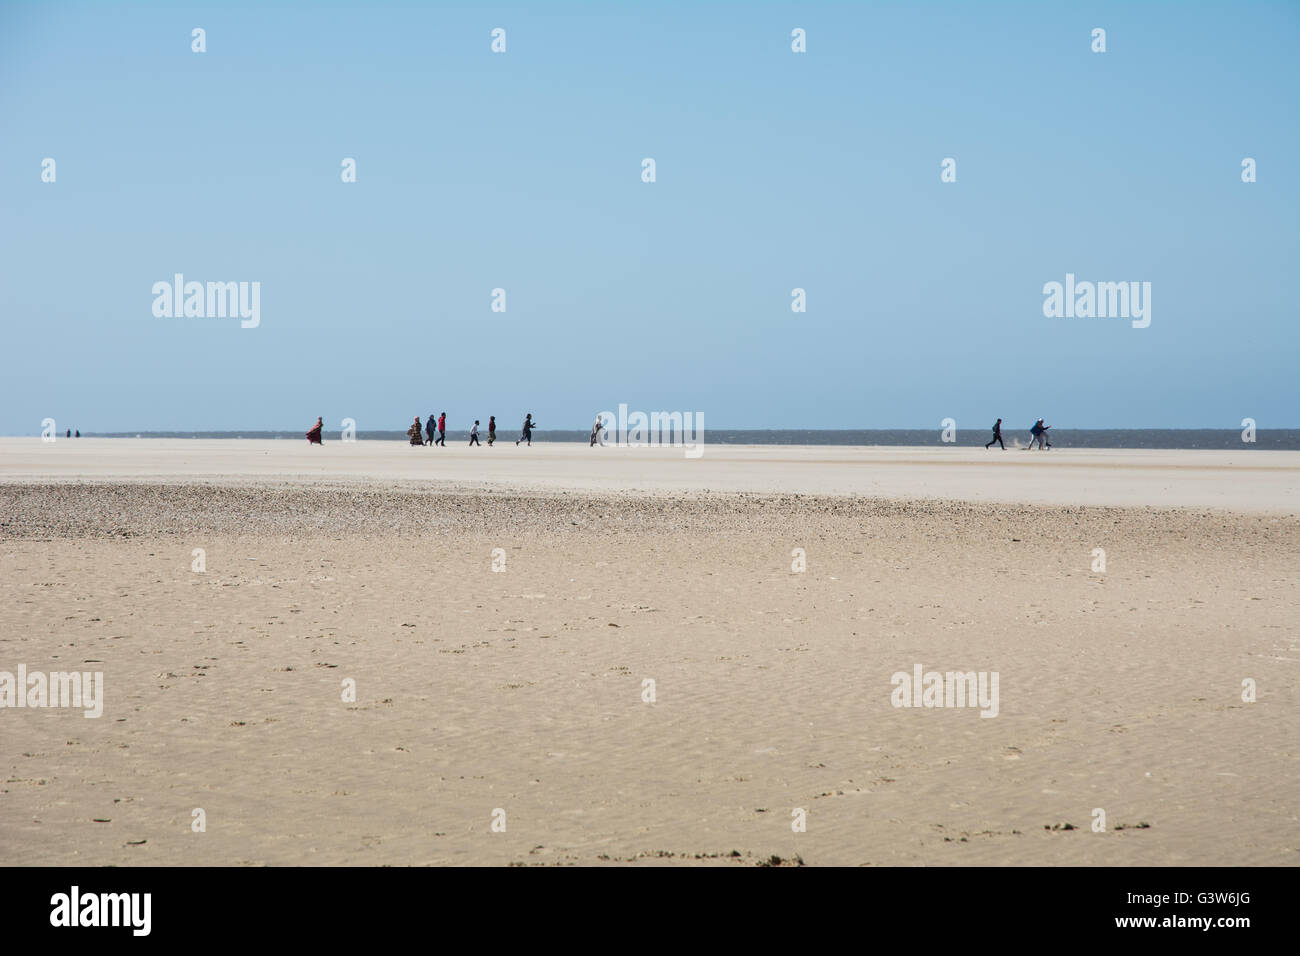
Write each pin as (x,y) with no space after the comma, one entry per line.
(1036,434)
(430,427)
(595,431)
(78,434)
(527,433)
(414,432)
(314,433)
(492,429)
(997,435)
(473,434)
(442,430)
(69,435)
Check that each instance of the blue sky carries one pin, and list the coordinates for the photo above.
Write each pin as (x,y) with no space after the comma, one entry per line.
(522,171)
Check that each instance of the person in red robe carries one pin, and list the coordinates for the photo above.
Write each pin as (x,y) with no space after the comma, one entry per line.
(313,436)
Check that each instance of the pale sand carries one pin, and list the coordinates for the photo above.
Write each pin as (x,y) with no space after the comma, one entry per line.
(1245,480)
(480,690)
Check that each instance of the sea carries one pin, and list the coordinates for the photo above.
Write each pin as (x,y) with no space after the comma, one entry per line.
(1279,439)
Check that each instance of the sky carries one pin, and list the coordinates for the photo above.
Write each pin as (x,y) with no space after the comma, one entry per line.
(523,171)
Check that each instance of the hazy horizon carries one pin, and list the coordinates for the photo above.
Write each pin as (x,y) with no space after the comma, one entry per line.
(1275,439)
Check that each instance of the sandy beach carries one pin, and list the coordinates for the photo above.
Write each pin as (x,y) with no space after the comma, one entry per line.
(1246,480)
(628,656)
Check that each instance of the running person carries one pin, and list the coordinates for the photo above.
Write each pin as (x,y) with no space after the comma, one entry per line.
(997,434)
(527,434)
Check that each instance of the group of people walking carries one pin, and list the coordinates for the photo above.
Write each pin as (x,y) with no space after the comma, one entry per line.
(436,430)
(1036,434)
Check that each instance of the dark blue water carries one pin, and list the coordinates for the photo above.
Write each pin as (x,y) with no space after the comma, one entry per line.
(1227,438)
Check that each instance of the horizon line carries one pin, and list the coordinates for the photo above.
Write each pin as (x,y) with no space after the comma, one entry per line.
(214,432)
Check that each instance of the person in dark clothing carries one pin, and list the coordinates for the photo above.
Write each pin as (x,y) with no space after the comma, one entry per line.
(78,434)
(527,434)
(492,429)
(430,427)
(314,434)
(69,435)
(442,430)
(1036,434)
(997,434)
